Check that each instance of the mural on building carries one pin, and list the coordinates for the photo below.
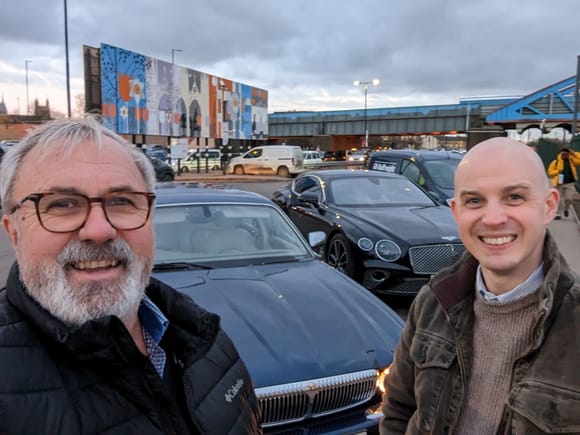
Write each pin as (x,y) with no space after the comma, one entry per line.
(143,95)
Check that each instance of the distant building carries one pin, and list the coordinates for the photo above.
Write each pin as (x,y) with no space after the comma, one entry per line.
(16,126)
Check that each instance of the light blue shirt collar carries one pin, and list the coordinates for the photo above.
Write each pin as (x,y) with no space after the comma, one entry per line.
(525,288)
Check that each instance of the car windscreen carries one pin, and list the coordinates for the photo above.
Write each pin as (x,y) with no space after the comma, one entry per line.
(224,234)
(442,172)
(376,191)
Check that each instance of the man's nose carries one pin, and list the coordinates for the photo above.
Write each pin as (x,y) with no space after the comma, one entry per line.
(494,214)
(97,228)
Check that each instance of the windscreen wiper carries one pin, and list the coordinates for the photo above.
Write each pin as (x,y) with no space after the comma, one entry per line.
(180,265)
(285,259)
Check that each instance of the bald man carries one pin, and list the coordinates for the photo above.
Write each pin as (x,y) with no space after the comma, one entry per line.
(492,344)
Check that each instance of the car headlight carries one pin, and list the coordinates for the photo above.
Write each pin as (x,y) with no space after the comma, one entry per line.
(382,375)
(388,250)
(365,244)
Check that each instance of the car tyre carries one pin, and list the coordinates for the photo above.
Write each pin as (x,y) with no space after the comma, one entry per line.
(239,170)
(283,172)
(340,256)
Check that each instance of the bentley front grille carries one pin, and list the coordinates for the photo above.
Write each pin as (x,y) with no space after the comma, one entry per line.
(431,259)
(282,404)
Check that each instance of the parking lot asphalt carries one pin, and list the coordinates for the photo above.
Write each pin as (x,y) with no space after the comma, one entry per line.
(566,232)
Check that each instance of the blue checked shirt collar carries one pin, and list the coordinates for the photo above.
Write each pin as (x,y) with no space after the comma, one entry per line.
(153,325)
(525,288)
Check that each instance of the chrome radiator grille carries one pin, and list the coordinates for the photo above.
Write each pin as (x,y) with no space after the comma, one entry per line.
(297,401)
(431,259)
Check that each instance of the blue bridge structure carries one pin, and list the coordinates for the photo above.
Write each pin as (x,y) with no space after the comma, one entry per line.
(546,108)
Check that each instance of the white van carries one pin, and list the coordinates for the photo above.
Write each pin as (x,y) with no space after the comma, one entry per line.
(282,160)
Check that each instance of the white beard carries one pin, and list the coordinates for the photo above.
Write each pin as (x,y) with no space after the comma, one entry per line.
(75,305)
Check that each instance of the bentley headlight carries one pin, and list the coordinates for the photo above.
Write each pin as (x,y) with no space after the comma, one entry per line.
(388,250)
(381,380)
(365,244)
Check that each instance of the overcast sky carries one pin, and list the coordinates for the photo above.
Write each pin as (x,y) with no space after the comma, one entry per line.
(306,53)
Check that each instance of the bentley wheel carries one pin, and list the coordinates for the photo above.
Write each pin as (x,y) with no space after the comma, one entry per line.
(339,255)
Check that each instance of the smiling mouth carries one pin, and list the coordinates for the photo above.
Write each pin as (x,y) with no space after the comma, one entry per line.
(496,241)
(95,264)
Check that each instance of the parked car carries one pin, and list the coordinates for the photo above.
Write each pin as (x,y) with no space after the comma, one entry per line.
(381,229)
(312,159)
(163,172)
(315,342)
(282,160)
(432,170)
(5,145)
(359,156)
(211,159)
(158,151)
(334,156)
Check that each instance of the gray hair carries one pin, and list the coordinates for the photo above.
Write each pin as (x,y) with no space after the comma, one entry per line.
(65,135)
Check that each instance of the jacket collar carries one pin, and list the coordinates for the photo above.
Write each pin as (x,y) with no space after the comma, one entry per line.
(103,338)
(457,283)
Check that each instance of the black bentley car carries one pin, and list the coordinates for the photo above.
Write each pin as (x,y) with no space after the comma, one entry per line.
(381,229)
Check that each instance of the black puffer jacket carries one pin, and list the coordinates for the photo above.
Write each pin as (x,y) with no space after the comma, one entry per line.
(93,380)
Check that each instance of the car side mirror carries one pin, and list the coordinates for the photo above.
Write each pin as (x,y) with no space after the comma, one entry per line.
(316,238)
(309,198)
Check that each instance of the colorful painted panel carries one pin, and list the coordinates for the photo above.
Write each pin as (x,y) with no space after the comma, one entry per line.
(143,95)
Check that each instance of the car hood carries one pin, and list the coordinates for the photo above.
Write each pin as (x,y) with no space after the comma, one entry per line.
(295,321)
(414,225)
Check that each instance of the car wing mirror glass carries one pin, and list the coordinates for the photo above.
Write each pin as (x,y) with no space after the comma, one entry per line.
(316,238)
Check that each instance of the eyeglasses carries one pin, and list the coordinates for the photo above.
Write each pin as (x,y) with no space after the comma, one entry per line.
(61,212)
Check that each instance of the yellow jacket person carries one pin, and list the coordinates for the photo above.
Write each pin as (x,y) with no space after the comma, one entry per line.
(563,173)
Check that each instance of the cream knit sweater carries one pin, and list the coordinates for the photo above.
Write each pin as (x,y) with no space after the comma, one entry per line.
(502,332)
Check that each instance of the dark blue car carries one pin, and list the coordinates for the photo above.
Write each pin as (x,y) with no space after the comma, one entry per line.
(317,344)
(158,151)
(434,171)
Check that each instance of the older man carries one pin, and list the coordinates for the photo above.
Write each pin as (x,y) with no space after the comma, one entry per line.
(89,343)
(491,344)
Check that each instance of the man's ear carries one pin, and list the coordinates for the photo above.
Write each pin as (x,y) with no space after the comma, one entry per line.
(10,228)
(453,206)
(552,200)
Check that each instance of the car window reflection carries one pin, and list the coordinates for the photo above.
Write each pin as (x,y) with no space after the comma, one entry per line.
(209,233)
(375,192)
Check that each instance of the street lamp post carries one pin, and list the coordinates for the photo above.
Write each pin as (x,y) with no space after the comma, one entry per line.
(366,88)
(173,51)
(68,104)
(26,62)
